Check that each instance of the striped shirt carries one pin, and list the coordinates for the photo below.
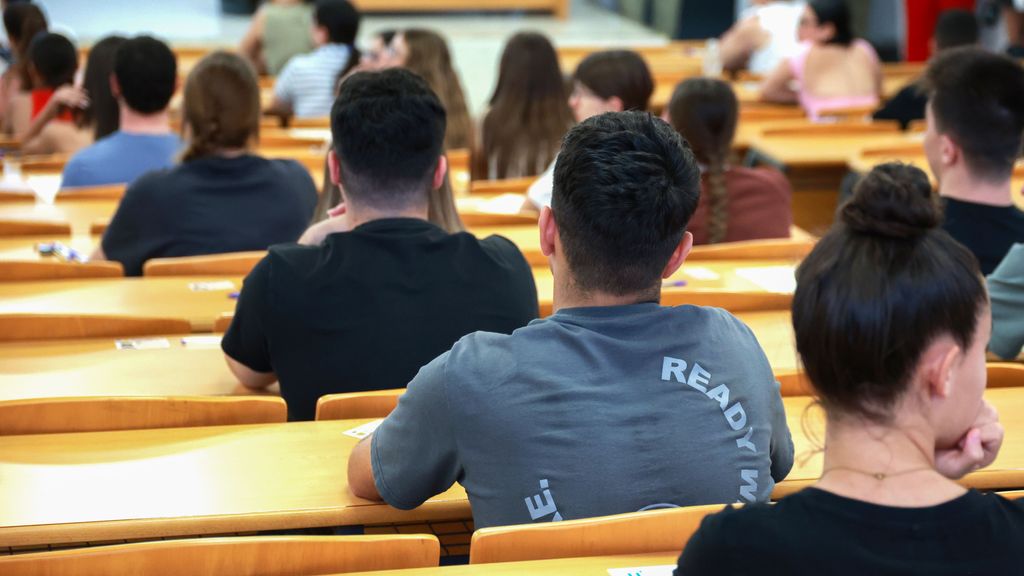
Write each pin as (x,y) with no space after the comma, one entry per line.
(308,80)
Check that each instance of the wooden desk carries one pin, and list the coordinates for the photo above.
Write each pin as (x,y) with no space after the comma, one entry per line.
(95,367)
(24,247)
(595,565)
(79,213)
(152,297)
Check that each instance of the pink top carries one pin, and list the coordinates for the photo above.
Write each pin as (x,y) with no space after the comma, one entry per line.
(813,104)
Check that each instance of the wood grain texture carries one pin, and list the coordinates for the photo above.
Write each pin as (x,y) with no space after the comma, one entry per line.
(16,327)
(38,269)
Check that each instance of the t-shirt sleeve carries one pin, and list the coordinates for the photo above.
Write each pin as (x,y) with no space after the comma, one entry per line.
(540,191)
(413,452)
(75,174)
(781,449)
(708,550)
(1006,292)
(284,86)
(246,338)
(130,237)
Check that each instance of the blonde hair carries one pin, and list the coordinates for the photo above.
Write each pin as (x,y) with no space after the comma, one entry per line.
(430,59)
(221,108)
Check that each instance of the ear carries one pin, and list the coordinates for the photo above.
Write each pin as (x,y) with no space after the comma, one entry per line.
(334,167)
(615,104)
(115,86)
(678,255)
(439,171)
(940,372)
(949,151)
(548,231)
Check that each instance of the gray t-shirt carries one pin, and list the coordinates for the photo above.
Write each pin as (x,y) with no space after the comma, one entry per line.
(590,412)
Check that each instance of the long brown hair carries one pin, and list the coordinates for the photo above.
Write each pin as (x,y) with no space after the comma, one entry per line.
(704,111)
(23,22)
(103,114)
(221,106)
(430,59)
(529,113)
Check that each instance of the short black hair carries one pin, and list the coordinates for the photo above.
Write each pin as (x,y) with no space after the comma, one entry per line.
(617,73)
(977,98)
(878,289)
(340,18)
(625,187)
(836,13)
(388,129)
(146,71)
(54,58)
(956,28)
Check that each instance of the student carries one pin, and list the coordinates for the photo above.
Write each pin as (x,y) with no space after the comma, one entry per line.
(22,22)
(975,119)
(221,198)
(380,54)
(611,81)
(278,32)
(426,54)
(528,114)
(606,406)
(306,86)
(832,68)
(737,203)
(955,28)
(1006,290)
(891,321)
(46,120)
(144,78)
(102,112)
(385,291)
(763,37)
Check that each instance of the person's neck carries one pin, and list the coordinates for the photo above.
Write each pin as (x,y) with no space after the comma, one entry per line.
(359,215)
(567,294)
(889,464)
(961,185)
(133,122)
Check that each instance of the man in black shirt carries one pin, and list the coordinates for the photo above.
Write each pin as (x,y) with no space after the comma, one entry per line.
(975,121)
(386,291)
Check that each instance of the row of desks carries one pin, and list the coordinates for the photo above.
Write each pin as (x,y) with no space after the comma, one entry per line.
(88,487)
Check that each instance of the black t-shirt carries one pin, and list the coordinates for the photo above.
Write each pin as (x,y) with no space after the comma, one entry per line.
(210,205)
(368,308)
(817,532)
(988,231)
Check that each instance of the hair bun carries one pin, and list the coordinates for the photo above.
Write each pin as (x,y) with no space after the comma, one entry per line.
(894,200)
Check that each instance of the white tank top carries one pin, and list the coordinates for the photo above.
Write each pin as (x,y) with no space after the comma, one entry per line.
(781,20)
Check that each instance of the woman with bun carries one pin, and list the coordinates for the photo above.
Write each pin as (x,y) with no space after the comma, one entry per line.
(892,320)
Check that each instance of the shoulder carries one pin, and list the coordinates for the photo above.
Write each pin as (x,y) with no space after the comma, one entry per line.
(287,168)
(724,539)
(503,249)
(763,175)
(157,184)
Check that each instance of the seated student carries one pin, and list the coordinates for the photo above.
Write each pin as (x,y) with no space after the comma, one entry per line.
(1006,290)
(891,322)
(975,122)
(426,54)
(954,28)
(279,31)
(528,114)
(763,37)
(610,81)
(608,405)
(221,198)
(46,120)
(737,203)
(102,112)
(386,290)
(144,78)
(306,86)
(22,22)
(833,70)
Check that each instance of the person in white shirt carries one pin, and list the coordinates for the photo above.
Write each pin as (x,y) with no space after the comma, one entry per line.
(762,37)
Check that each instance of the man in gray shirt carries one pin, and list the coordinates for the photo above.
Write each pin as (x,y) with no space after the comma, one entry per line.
(613,404)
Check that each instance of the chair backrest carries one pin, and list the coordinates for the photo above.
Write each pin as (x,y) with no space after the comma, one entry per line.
(794,384)
(22,327)
(353,405)
(18,227)
(848,112)
(833,129)
(753,250)
(104,413)
(633,533)
(509,185)
(28,270)
(98,227)
(243,556)
(44,163)
(110,192)
(231,264)
(479,219)
(223,322)
(1005,374)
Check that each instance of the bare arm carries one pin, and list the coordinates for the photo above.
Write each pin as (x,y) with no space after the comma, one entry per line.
(360,471)
(69,96)
(738,43)
(776,87)
(248,377)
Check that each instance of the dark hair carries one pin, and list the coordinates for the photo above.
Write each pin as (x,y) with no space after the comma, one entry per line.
(430,59)
(221,105)
(22,22)
(529,111)
(617,73)
(976,98)
(836,13)
(103,113)
(54,58)
(340,18)
(387,35)
(625,186)
(705,111)
(146,71)
(956,28)
(878,289)
(388,129)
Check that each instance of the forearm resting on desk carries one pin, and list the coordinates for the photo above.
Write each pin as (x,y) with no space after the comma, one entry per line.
(249,377)
(360,471)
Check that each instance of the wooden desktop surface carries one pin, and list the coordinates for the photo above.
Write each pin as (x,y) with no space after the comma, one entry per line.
(79,213)
(70,488)
(593,565)
(159,297)
(826,151)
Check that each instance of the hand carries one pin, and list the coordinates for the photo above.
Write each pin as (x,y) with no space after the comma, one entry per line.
(336,222)
(71,96)
(977,449)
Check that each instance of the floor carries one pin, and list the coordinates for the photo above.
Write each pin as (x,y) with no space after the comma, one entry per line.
(476,38)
